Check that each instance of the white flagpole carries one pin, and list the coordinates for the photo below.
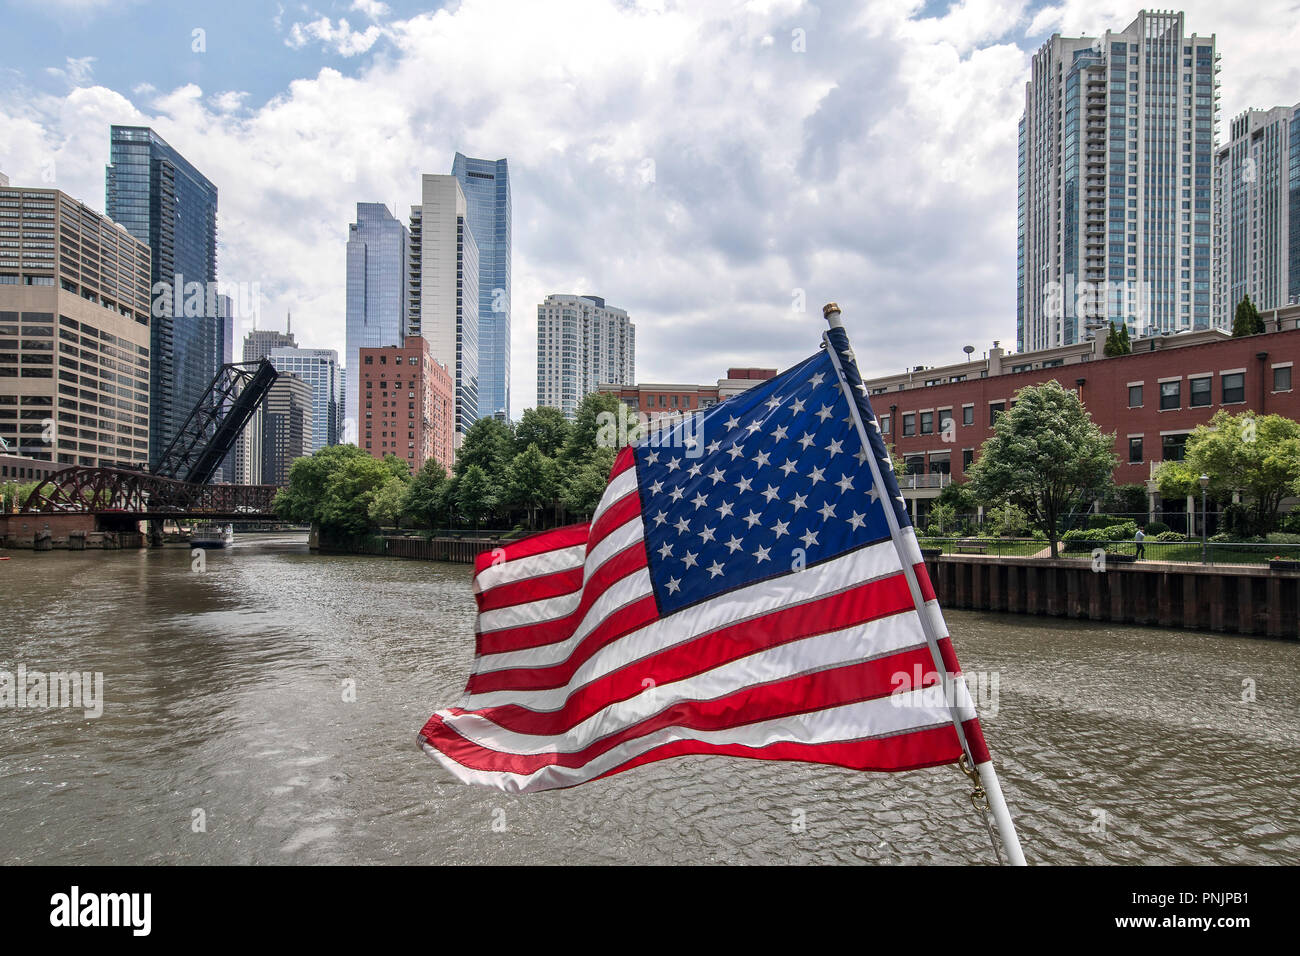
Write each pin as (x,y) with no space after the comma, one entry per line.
(988,779)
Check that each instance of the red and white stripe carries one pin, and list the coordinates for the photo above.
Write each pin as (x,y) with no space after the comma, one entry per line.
(577,676)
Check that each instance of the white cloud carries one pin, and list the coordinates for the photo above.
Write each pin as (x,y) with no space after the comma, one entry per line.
(76,70)
(342,39)
(374,9)
(673,162)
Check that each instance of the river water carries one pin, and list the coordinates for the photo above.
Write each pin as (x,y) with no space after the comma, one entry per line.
(226,737)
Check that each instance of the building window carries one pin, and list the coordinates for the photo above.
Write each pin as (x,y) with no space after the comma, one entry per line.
(884,425)
(1172,447)
(1135,450)
(996,409)
(909,424)
(968,415)
(914,464)
(1234,388)
(967,456)
(927,423)
(1282,379)
(1171,395)
(1135,396)
(1199,392)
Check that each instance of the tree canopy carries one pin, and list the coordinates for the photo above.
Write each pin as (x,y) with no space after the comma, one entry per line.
(1046,456)
(1247,320)
(1117,340)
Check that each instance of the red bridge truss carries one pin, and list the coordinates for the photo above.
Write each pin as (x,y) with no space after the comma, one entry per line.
(139,494)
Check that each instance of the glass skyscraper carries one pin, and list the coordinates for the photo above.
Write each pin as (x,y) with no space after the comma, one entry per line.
(164,201)
(319,368)
(486,184)
(378,248)
(1116,183)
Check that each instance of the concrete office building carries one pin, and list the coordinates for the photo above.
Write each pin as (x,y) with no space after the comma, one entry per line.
(258,345)
(581,343)
(1116,183)
(443,288)
(286,429)
(319,368)
(74,333)
(1257,200)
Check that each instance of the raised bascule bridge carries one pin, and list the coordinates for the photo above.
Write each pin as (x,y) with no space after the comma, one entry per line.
(179,486)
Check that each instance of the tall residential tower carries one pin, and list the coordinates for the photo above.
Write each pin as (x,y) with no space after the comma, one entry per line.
(581,343)
(164,201)
(486,184)
(1116,182)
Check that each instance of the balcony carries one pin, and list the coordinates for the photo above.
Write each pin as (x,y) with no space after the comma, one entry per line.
(915,482)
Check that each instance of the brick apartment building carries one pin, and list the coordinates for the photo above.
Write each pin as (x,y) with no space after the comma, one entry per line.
(1151,398)
(668,402)
(408,404)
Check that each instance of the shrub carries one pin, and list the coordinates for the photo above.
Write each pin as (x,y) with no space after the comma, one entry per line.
(1291,523)
(1282,537)
(1169,536)
(1157,528)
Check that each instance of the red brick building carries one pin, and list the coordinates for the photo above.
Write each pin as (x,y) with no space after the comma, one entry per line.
(1151,399)
(408,404)
(659,401)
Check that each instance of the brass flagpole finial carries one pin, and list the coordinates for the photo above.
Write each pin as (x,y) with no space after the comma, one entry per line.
(831,313)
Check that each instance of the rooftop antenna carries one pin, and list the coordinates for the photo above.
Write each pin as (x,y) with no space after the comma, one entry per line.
(288,323)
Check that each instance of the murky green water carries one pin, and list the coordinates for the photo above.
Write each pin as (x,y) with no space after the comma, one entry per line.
(224,704)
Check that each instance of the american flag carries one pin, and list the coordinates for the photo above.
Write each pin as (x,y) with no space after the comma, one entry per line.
(738,591)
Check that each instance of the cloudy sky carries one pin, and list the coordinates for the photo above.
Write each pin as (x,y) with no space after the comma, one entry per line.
(704,165)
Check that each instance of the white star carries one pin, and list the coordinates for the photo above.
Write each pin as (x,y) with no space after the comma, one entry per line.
(676,494)
(789,468)
(761,555)
(873,493)
(861,387)
(666,551)
(761,458)
(744,484)
(689,559)
(707,535)
(800,501)
(735,451)
(713,446)
(673,585)
(682,526)
(818,379)
(715,569)
(809,539)
(835,448)
(651,457)
(856,520)
(752,519)
(734,544)
(780,528)
(774,401)
(717,475)
(825,413)
(806,441)
(845,483)
(778,433)
(827,511)
(724,509)
(771,494)
(694,470)
(732,422)
(656,487)
(796,406)
(699,501)
(754,426)
(816,475)
(673,464)
(862,456)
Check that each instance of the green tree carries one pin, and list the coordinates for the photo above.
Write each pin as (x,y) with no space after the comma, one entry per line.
(1247,320)
(584,485)
(1258,456)
(1007,520)
(531,482)
(423,505)
(386,505)
(349,494)
(590,429)
(1046,455)
(545,427)
(958,494)
(1117,340)
(303,500)
(943,518)
(477,493)
(488,445)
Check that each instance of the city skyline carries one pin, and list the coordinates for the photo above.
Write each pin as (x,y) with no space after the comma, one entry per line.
(929,242)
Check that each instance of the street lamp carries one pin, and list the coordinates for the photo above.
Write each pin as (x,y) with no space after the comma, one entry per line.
(1205,545)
